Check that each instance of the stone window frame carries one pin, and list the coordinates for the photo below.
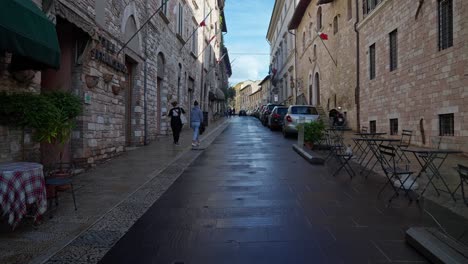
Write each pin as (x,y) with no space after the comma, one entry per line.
(445,24)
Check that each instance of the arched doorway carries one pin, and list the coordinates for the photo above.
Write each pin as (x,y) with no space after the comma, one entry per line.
(159,87)
(316,90)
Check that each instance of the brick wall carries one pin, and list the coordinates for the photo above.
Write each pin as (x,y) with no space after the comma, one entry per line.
(427,82)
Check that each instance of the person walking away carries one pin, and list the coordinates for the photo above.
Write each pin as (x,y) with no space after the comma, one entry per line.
(176,122)
(196,119)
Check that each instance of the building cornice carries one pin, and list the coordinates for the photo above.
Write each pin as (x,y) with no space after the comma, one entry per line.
(274,19)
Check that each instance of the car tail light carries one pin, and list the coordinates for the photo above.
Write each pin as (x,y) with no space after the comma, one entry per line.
(288,118)
(276,115)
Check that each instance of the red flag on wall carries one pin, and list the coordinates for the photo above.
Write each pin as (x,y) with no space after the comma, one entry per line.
(202,24)
(323,35)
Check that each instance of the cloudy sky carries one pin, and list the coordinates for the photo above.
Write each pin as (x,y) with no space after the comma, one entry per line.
(247,23)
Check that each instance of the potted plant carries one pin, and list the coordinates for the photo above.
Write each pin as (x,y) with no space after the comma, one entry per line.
(313,132)
(59,130)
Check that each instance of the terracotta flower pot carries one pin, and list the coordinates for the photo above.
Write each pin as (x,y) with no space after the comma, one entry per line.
(108,77)
(91,81)
(115,89)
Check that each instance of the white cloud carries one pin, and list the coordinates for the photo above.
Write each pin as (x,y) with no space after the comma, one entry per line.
(247,67)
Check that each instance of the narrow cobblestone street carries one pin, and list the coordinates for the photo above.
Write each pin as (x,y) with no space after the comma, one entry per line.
(250,199)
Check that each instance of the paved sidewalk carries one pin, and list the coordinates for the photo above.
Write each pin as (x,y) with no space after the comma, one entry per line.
(103,196)
(447,170)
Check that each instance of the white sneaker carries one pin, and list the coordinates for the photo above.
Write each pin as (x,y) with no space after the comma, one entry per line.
(194,145)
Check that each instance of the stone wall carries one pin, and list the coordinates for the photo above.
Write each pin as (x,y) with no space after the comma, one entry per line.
(427,82)
(111,121)
(13,144)
(337,82)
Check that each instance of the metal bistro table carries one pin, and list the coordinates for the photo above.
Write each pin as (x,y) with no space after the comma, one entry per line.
(427,159)
(21,185)
(359,144)
(373,145)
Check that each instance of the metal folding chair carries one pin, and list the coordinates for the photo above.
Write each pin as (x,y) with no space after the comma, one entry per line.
(463,172)
(388,160)
(57,182)
(340,152)
(405,142)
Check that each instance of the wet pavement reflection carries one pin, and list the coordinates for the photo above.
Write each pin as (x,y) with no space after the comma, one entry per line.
(249,198)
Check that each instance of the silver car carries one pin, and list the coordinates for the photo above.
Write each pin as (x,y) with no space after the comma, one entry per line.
(291,119)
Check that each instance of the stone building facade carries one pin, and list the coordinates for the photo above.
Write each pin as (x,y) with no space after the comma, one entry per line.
(326,68)
(414,70)
(282,46)
(127,84)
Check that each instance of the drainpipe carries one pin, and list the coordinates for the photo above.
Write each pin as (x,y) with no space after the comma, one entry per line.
(295,67)
(145,84)
(357,91)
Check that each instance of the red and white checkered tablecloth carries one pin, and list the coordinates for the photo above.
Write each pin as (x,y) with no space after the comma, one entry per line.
(21,184)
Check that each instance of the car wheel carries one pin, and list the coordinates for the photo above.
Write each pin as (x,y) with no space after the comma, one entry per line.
(271,128)
(285,134)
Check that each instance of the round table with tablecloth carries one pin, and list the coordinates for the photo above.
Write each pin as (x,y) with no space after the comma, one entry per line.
(22,186)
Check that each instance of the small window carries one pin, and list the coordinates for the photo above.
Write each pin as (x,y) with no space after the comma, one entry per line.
(194,42)
(180,27)
(350,9)
(394,126)
(335,25)
(445,24)
(304,41)
(319,18)
(372,62)
(373,126)
(393,50)
(446,125)
(164,7)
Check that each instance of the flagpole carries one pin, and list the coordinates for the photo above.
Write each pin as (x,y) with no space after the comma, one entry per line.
(148,20)
(196,29)
(336,64)
(206,46)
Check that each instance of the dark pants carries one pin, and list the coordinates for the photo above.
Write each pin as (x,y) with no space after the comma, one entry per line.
(176,128)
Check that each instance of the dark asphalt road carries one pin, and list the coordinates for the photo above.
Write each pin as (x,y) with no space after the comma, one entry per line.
(249,198)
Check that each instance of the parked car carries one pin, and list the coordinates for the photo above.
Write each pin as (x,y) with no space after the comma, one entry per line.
(291,119)
(266,112)
(276,118)
(242,113)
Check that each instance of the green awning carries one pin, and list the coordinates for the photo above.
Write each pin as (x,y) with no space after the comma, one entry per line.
(26,32)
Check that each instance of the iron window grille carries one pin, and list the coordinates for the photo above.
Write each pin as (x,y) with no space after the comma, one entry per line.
(372,61)
(445,24)
(394,126)
(446,125)
(373,126)
(393,50)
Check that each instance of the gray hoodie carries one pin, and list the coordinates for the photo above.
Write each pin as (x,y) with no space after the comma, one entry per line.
(196,115)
